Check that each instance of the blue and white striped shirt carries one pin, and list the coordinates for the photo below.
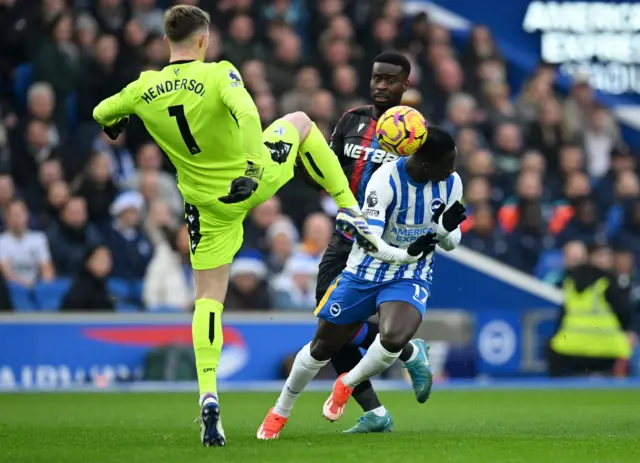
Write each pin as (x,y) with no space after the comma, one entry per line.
(400,210)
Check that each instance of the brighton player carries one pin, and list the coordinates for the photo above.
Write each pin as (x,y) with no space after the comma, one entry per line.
(356,146)
(205,120)
(412,205)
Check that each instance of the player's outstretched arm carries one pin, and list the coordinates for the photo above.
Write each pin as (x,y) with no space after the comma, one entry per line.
(117,108)
(448,218)
(236,97)
(378,197)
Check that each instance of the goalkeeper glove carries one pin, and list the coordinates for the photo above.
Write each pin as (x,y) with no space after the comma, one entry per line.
(243,187)
(114,130)
(450,219)
(423,246)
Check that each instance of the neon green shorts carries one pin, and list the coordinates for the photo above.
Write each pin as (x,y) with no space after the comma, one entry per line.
(215,230)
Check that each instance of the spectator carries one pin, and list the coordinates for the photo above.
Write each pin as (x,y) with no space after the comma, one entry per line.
(480,47)
(484,237)
(577,110)
(129,245)
(111,15)
(49,172)
(548,134)
(448,81)
(282,237)
(299,98)
(571,161)
(508,148)
(41,102)
(598,143)
(71,237)
(499,107)
(247,286)
(317,233)
(295,288)
(242,44)
(159,218)
(323,109)
(584,226)
(7,195)
(150,18)
(122,166)
(132,53)
(282,68)
(168,282)
(98,189)
(574,254)
(86,35)
(89,290)
(27,154)
(254,76)
(537,91)
(57,62)
(528,195)
(259,221)
(266,104)
(621,161)
(460,113)
(628,236)
(24,253)
(101,77)
(156,54)
(57,196)
(525,243)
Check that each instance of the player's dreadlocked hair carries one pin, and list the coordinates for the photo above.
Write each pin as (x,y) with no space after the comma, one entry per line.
(396,59)
(438,144)
(181,21)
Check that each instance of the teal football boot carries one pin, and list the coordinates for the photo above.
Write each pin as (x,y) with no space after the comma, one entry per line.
(370,422)
(419,370)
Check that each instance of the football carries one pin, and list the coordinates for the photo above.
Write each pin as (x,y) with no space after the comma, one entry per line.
(401,130)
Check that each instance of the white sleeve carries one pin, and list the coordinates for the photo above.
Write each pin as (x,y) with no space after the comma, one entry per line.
(43,254)
(378,197)
(449,240)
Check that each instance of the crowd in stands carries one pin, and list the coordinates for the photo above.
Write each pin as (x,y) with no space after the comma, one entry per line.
(92,223)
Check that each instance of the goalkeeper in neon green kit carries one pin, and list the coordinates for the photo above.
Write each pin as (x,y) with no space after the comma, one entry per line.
(205,120)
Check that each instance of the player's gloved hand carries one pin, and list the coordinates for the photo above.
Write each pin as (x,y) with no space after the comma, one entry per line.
(113,131)
(451,218)
(423,246)
(241,188)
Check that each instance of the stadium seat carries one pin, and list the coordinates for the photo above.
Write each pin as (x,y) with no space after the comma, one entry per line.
(136,294)
(120,289)
(22,80)
(21,298)
(549,261)
(126,307)
(164,309)
(49,295)
(72,111)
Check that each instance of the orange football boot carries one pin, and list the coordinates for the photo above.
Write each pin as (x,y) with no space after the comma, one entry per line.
(271,426)
(335,405)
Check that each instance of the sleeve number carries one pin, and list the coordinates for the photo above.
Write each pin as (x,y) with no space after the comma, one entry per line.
(178,112)
(420,294)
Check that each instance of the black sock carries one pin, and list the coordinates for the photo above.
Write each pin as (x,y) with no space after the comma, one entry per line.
(347,358)
(406,353)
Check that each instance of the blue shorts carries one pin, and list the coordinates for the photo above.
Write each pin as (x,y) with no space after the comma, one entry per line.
(350,299)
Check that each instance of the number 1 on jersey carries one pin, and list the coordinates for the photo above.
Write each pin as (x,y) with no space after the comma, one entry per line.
(178,112)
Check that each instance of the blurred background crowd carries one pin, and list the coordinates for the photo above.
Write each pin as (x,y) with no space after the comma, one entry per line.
(90,223)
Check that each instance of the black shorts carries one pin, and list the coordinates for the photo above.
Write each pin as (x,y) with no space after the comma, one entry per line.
(333,263)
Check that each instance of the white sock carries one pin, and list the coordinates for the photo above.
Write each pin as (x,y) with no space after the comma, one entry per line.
(380,411)
(376,360)
(414,354)
(304,369)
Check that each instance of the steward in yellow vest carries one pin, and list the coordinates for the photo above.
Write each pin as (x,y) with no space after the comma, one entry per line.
(593,324)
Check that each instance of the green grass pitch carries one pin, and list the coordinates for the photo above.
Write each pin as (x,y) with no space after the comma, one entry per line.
(581,426)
